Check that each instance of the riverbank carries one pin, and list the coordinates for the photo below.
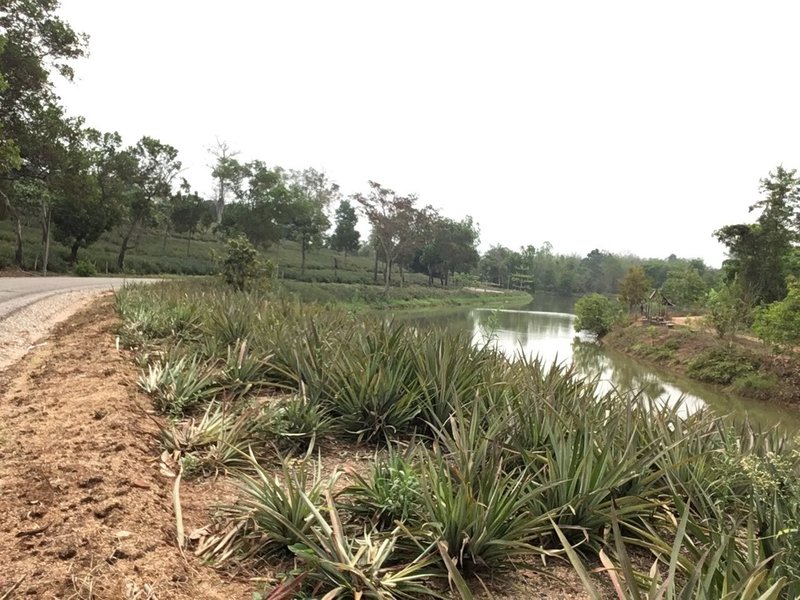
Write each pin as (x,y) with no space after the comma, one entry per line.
(410,297)
(742,366)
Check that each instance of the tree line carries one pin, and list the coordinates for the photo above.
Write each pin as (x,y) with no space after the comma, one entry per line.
(74,183)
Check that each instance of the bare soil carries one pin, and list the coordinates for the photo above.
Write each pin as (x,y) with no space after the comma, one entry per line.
(85,511)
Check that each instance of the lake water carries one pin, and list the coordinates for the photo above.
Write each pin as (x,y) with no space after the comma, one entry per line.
(545,328)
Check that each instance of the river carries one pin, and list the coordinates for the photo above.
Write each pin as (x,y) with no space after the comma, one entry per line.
(545,328)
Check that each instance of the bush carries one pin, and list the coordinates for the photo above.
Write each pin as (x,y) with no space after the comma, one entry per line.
(779,322)
(85,269)
(596,314)
(755,385)
(240,266)
(723,365)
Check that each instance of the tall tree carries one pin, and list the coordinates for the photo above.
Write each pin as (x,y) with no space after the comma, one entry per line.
(390,216)
(189,213)
(227,173)
(634,288)
(150,170)
(761,253)
(264,210)
(312,193)
(346,237)
(34,42)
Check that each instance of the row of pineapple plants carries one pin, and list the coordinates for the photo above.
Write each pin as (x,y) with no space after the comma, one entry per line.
(481,462)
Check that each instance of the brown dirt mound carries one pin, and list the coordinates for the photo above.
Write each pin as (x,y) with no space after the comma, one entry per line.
(84,512)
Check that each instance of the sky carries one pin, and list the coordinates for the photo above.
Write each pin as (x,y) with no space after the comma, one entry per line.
(632,127)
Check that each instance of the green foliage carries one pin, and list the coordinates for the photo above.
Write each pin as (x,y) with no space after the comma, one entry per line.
(755,385)
(729,309)
(390,493)
(779,322)
(85,269)
(723,365)
(596,314)
(346,237)
(272,513)
(179,386)
(685,287)
(635,287)
(508,460)
(299,422)
(761,252)
(240,264)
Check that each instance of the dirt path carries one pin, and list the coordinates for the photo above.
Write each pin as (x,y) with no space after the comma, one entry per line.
(84,512)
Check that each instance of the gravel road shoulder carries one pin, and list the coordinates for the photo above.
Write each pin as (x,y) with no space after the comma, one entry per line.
(29,324)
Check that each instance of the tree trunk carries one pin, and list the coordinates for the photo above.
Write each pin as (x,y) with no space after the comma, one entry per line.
(402,279)
(73,257)
(188,243)
(303,254)
(375,272)
(18,246)
(430,277)
(122,250)
(220,202)
(47,217)
(387,274)
(17,230)
(126,239)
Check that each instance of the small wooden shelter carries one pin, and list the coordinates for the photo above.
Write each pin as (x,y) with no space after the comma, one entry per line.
(655,309)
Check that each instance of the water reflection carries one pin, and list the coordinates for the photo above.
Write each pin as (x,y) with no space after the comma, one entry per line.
(552,337)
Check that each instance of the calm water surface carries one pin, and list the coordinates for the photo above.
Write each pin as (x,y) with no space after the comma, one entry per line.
(545,328)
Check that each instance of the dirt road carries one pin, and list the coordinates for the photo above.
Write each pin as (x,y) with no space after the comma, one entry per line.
(31,306)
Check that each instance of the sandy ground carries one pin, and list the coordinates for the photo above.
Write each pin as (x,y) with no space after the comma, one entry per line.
(85,511)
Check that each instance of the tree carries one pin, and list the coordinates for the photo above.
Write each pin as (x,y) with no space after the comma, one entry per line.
(151,167)
(596,314)
(685,287)
(34,42)
(345,237)
(228,173)
(311,194)
(760,252)
(730,308)
(496,265)
(779,322)
(391,217)
(634,288)
(449,246)
(87,200)
(264,212)
(189,212)
(240,264)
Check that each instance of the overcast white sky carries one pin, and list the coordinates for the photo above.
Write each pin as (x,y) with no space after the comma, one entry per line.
(626,126)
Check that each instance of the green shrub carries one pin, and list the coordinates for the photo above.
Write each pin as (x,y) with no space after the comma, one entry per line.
(596,314)
(723,365)
(85,269)
(779,323)
(241,266)
(755,385)
(390,493)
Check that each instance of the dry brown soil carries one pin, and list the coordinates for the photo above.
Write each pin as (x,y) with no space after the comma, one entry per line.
(85,511)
